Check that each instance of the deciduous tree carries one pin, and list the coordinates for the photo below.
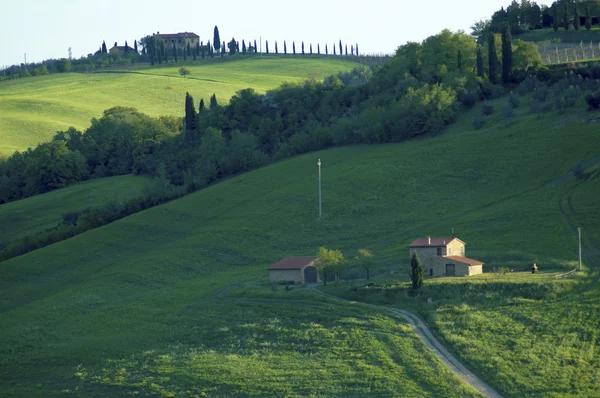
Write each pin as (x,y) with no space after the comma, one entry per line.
(329,261)
(365,259)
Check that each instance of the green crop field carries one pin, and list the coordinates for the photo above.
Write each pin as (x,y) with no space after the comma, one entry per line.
(33,109)
(42,212)
(174,300)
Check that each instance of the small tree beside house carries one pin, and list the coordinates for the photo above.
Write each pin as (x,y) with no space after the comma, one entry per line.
(365,259)
(416,271)
(329,260)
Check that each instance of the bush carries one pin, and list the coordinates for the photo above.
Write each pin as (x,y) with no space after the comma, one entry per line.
(70,218)
(579,171)
(540,93)
(508,113)
(478,122)
(468,99)
(536,106)
(514,100)
(527,86)
(593,100)
(487,109)
(183,71)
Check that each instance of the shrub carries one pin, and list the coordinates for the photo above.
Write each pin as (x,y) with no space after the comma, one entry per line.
(540,93)
(70,218)
(183,71)
(593,100)
(536,106)
(478,122)
(579,171)
(528,85)
(497,91)
(514,100)
(508,114)
(468,99)
(487,109)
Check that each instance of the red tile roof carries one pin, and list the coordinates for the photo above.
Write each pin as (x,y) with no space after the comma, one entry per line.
(293,263)
(424,242)
(465,260)
(178,35)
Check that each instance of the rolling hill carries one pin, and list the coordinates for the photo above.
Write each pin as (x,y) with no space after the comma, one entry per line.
(33,109)
(174,300)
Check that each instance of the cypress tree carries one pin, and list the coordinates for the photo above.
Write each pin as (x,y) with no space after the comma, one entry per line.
(588,18)
(341,53)
(201,107)
(310,49)
(346,49)
(276,48)
(162,52)
(555,18)
(185,53)
(189,50)
(416,271)
(302,48)
(216,39)
(326,51)
(243,47)
(104,51)
(356,48)
(267,46)
(507,55)
(197,52)
(190,116)
(284,47)
(567,17)
(334,49)
(576,21)
(126,47)
(480,71)
(213,101)
(492,57)
(255,48)
(459,61)
(135,47)
(175,52)
(318,49)
(294,47)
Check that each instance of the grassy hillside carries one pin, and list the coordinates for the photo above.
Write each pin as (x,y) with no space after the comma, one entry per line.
(33,109)
(41,212)
(175,300)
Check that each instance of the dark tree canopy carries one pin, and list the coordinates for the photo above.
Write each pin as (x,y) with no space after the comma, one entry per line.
(480,70)
(492,58)
(217,39)
(416,271)
(507,55)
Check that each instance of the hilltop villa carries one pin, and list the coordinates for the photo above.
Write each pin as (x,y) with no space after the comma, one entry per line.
(294,269)
(445,256)
(180,40)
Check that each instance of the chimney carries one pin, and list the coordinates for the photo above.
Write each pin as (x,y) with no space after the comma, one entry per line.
(429,240)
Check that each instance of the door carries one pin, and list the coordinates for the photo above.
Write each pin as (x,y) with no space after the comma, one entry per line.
(310,275)
(450,270)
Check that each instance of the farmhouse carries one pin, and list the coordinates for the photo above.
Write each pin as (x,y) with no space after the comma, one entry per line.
(120,49)
(445,256)
(180,40)
(294,269)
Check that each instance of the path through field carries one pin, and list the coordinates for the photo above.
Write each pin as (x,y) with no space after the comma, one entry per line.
(413,320)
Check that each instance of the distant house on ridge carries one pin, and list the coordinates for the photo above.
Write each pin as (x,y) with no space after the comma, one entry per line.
(180,40)
(294,269)
(444,256)
(121,49)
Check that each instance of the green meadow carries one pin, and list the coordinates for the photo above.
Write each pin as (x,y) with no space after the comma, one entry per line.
(33,109)
(175,301)
(39,213)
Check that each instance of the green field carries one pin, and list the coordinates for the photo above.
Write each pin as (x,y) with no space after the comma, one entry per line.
(33,109)
(39,213)
(565,36)
(174,300)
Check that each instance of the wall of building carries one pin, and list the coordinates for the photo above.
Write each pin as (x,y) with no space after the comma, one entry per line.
(456,248)
(281,275)
(476,269)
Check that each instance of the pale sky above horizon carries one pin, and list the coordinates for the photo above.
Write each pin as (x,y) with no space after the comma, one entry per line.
(46,29)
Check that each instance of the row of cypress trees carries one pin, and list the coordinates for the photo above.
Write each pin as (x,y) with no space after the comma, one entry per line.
(507,57)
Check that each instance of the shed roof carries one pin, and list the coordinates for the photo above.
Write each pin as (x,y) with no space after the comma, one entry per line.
(424,242)
(465,260)
(293,263)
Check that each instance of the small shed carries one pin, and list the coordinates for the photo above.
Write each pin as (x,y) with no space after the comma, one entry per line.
(294,269)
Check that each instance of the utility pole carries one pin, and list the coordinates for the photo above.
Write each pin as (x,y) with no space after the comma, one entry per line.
(579,236)
(320,209)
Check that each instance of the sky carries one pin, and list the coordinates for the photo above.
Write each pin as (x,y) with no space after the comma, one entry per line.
(46,29)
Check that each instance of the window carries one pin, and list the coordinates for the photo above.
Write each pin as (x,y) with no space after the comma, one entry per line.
(441,251)
(430,271)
